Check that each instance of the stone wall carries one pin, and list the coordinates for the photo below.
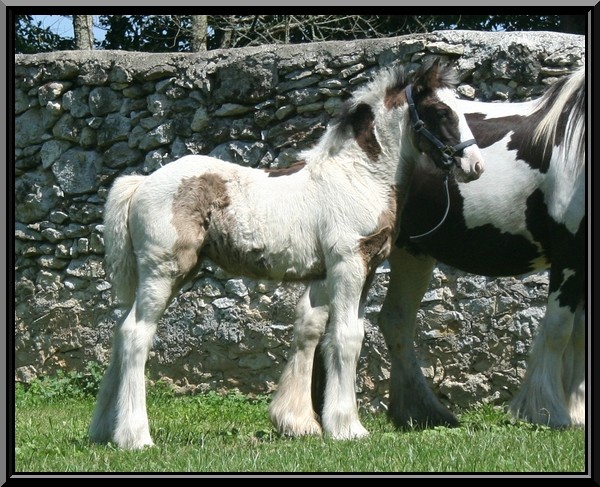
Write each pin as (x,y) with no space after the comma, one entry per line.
(83,118)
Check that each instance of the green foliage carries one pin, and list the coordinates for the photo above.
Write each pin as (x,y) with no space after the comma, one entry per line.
(150,33)
(30,37)
(173,33)
(157,33)
(65,384)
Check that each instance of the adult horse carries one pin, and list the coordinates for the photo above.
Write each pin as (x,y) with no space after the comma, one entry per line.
(525,214)
(330,219)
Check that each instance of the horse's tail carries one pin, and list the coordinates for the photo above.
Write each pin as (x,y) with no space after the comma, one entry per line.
(119,257)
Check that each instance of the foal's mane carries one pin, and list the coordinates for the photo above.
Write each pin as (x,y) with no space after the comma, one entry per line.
(388,81)
(563,109)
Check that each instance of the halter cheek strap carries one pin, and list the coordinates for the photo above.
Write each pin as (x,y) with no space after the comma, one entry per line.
(448,151)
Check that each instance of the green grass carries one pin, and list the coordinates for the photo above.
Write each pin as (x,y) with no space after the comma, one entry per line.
(232,433)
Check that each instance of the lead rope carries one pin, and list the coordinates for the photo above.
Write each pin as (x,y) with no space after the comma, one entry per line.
(415,237)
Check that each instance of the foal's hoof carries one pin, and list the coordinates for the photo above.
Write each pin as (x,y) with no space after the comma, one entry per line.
(123,445)
(131,443)
(308,428)
(136,445)
(352,432)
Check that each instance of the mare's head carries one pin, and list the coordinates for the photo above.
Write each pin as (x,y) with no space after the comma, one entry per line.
(438,128)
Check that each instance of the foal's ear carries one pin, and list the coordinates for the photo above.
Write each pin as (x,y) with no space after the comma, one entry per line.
(429,78)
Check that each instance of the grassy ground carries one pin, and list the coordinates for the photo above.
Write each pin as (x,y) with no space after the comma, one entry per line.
(213,433)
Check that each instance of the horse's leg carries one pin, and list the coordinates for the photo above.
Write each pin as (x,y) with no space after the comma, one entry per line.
(574,373)
(291,408)
(104,416)
(120,413)
(342,342)
(541,398)
(412,402)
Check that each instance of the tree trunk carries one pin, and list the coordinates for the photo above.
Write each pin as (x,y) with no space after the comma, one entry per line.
(83,30)
(199,32)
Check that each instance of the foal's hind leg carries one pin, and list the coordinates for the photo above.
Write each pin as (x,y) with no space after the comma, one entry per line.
(412,402)
(542,398)
(120,413)
(291,408)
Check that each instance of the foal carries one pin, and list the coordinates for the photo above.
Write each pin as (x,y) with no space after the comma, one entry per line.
(330,219)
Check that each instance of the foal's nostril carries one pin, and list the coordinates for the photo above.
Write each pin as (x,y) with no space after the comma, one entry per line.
(478,168)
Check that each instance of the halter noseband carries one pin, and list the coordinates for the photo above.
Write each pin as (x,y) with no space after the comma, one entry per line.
(448,151)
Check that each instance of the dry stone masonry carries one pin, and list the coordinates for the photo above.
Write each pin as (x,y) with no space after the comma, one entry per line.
(85,117)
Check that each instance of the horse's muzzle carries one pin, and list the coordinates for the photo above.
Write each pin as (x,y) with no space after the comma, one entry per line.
(470,166)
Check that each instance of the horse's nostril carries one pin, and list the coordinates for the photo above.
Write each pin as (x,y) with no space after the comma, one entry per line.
(478,167)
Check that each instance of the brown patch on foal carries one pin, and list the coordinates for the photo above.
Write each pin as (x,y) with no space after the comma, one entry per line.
(286,171)
(394,98)
(376,247)
(196,199)
(363,126)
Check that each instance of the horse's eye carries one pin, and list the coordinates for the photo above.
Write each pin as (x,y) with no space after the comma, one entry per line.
(443,113)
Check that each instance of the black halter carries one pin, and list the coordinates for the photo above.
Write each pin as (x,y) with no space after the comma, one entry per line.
(448,151)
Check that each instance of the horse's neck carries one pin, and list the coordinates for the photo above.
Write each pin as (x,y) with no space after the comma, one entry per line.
(497,109)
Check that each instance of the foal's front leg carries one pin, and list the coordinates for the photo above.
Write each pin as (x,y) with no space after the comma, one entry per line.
(291,408)
(341,348)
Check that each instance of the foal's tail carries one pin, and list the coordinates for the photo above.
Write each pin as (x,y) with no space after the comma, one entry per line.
(119,256)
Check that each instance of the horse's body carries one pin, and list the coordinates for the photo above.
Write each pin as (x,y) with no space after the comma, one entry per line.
(330,219)
(526,213)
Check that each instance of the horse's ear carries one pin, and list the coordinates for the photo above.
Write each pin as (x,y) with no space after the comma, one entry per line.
(429,78)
